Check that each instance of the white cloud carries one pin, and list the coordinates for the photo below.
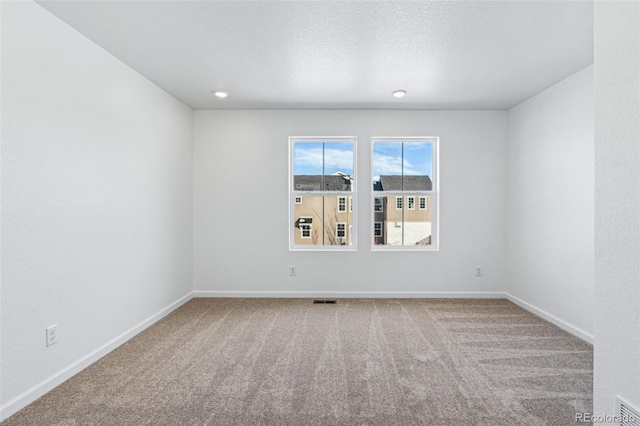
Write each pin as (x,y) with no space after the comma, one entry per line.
(308,157)
(387,165)
(333,158)
(416,146)
(391,165)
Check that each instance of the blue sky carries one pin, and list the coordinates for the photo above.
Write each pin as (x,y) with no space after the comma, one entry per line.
(388,159)
(308,158)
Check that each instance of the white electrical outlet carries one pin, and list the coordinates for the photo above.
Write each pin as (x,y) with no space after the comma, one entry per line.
(478,271)
(52,334)
(292,271)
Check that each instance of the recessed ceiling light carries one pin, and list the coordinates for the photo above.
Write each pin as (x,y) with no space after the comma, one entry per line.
(221,94)
(399,93)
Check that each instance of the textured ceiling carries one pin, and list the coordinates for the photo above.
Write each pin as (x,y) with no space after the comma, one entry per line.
(342,54)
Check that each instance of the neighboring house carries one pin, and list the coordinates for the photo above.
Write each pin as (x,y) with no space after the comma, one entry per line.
(399,219)
(402,219)
(320,219)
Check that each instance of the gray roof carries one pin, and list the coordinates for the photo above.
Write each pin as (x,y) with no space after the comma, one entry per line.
(314,183)
(403,183)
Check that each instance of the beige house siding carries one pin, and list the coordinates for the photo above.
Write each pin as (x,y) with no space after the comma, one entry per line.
(403,226)
(325,215)
(410,215)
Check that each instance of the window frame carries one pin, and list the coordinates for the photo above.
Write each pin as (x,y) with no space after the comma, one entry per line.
(420,200)
(374,228)
(344,204)
(348,195)
(434,193)
(381,205)
(344,229)
(310,225)
(411,202)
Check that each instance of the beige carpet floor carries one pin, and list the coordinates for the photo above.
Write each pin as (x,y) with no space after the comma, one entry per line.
(359,362)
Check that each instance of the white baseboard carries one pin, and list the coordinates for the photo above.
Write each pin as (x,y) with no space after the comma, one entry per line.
(35,392)
(357,294)
(587,337)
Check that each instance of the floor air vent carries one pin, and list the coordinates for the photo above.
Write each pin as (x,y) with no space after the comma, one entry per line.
(324,301)
(628,415)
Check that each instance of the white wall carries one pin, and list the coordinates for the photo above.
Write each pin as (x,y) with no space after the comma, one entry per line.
(617,210)
(550,202)
(241,205)
(96,201)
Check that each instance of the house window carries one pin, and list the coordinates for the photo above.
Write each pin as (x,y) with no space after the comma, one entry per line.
(378,206)
(405,170)
(411,203)
(322,171)
(342,204)
(398,203)
(305,231)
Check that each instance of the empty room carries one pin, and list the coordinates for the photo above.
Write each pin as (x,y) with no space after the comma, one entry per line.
(320,212)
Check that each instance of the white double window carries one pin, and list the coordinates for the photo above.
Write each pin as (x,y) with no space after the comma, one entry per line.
(378,205)
(342,204)
(423,203)
(321,186)
(305,227)
(404,193)
(405,173)
(377,229)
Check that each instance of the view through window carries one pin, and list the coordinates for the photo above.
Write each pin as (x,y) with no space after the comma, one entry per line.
(321,187)
(404,195)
